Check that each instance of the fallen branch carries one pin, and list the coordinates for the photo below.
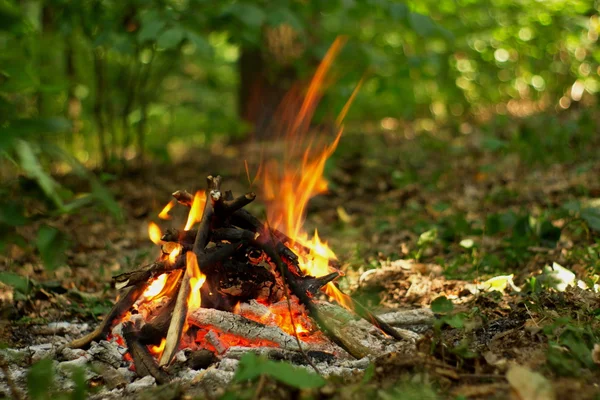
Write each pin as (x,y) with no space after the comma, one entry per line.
(420,316)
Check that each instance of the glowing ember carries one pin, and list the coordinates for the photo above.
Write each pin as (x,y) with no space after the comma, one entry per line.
(197,279)
(164,214)
(154,232)
(196,211)
(155,287)
(158,350)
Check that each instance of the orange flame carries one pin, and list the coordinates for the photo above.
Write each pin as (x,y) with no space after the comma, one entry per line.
(196,211)
(154,232)
(197,279)
(155,287)
(158,350)
(288,185)
(164,214)
(174,253)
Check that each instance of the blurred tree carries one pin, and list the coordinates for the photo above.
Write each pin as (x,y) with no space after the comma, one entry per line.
(131,75)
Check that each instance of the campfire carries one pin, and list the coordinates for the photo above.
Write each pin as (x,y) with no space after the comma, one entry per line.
(234,281)
(231,282)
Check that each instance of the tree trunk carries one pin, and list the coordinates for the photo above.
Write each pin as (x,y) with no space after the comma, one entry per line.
(262,89)
(98,105)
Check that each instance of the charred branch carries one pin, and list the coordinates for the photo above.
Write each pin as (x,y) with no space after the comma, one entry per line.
(120,308)
(184,197)
(229,206)
(142,359)
(313,285)
(145,273)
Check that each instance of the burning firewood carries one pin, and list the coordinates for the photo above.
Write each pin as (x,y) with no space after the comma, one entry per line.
(120,307)
(233,258)
(143,360)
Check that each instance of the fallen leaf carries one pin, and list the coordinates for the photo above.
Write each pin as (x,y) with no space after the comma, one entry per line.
(596,353)
(528,385)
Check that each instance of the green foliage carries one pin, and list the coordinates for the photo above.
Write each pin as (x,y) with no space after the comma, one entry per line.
(51,243)
(40,380)
(18,282)
(570,346)
(443,306)
(252,367)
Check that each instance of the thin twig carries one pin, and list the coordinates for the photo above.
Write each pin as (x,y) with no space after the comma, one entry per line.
(289,303)
(261,384)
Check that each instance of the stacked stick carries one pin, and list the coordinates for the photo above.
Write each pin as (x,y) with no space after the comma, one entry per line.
(226,236)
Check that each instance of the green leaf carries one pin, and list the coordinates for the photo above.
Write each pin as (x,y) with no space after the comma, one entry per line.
(398,11)
(171,38)
(442,305)
(592,217)
(202,45)
(421,24)
(284,15)
(549,234)
(455,321)
(32,167)
(12,214)
(250,15)
(52,244)
(31,128)
(103,195)
(152,25)
(18,282)
(252,367)
(428,237)
(80,389)
(40,380)
(99,192)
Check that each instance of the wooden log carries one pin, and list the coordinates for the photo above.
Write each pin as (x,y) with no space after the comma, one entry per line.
(121,306)
(244,327)
(419,316)
(144,361)
(177,322)
(278,354)
(367,315)
(345,329)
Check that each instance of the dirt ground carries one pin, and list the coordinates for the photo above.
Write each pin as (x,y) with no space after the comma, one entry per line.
(409,226)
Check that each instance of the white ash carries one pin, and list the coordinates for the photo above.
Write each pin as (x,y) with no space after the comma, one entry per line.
(141,383)
(62,328)
(105,360)
(228,364)
(107,352)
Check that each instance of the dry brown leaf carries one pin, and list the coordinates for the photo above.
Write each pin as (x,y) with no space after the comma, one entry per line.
(528,385)
(596,353)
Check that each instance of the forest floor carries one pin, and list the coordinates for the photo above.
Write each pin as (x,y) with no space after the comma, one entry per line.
(411,220)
